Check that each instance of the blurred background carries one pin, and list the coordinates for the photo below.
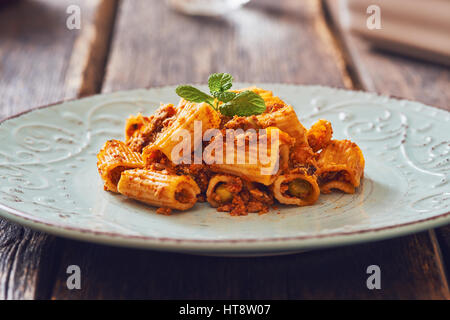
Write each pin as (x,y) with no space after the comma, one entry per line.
(47,46)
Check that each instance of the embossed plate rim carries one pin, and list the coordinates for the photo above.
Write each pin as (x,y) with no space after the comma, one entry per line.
(248,245)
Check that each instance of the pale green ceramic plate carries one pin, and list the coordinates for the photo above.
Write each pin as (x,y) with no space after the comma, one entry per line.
(49,179)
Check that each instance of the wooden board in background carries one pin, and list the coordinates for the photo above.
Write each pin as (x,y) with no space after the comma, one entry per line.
(41,61)
(263,42)
(389,73)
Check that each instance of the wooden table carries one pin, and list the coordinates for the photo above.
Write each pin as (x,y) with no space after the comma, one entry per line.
(141,43)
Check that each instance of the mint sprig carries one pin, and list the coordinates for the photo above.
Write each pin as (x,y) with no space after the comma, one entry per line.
(245,103)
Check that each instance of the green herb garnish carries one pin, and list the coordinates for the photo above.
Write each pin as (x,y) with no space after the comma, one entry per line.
(245,103)
(220,82)
(193,94)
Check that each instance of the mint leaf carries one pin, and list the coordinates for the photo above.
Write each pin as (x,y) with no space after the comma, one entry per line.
(192,94)
(246,103)
(225,96)
(220,82)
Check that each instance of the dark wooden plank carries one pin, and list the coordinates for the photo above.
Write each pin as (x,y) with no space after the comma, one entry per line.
(42,61)
(266,41)
(118,273)
(443,237)
(402,77)
(27,262)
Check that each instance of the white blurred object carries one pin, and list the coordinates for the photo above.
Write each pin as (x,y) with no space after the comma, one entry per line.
(414,27)
(206,7)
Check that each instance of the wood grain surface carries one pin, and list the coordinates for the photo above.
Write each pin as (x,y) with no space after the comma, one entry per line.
(339,273)
(36,68)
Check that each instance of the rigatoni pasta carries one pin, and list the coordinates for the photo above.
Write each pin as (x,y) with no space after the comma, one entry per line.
(221,189)
(241,164)
(340,166)
(260,170)
(286,120)
(297,187)
(141,131)
(182,127)
(159,188)
(237,195)
(114,158)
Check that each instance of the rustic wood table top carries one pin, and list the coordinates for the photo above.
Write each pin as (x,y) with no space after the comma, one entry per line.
(142,43)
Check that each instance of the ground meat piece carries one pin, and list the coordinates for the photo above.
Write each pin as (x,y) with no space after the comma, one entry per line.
(247,197)
(319,135)
(256,206)
(164,211)
(183,196)
(275,107)
(244,123)
(309,168)
(223,121)
(235,186)
(198,172)
(334,175)
(239,207)
(162,164)
(302,155)
(262,196)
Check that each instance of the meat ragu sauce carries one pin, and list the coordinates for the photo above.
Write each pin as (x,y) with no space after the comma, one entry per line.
(247,196)
(334,175)
(238,189)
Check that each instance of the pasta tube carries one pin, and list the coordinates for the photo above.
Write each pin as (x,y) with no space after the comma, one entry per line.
(261,171)
(221,189)
(140,131)
(114,158)
(159,188)
(238,196)
(340,166)
(279,114)
(297,188)
(286,120)
(184,124)
(134,128)
(319,135)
